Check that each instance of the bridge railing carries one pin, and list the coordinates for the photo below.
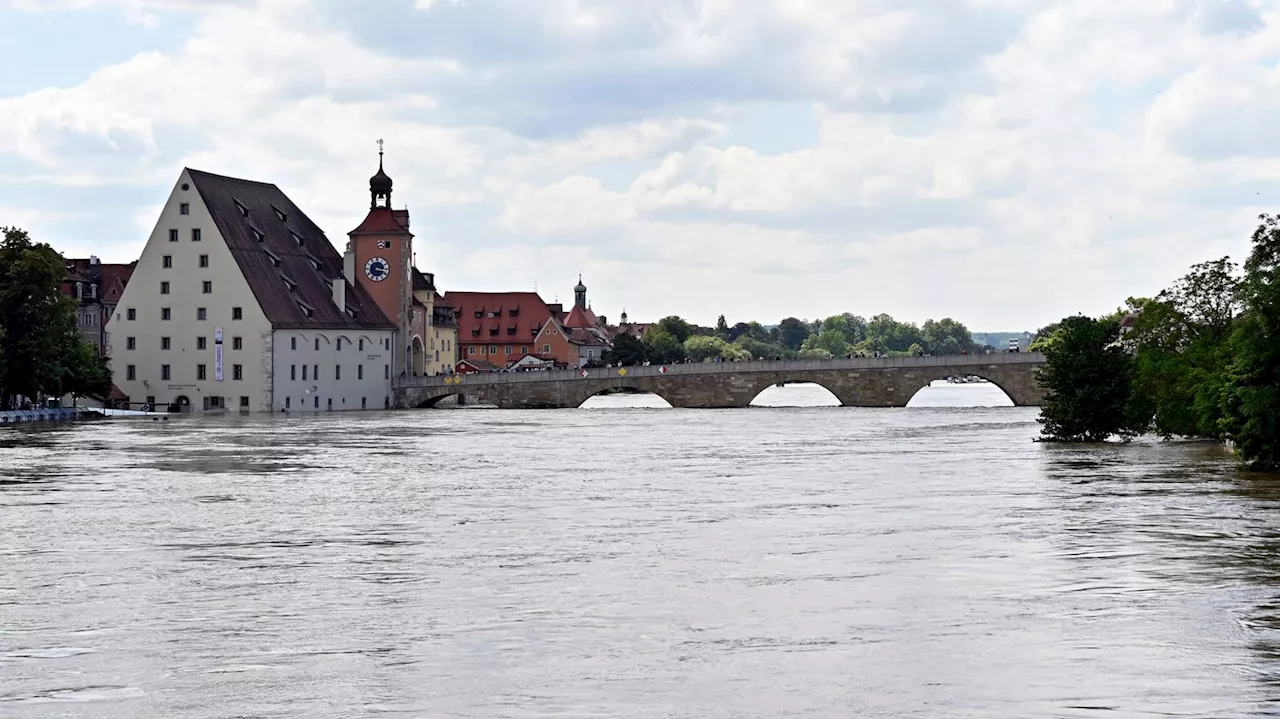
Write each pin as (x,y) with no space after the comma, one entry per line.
(706,368)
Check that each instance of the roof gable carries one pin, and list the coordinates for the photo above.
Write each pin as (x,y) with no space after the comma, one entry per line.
(485,317)
(285,258)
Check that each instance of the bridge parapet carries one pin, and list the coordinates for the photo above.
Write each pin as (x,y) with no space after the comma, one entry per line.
(858,381)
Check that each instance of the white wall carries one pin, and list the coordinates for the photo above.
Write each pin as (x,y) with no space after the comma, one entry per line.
(293,350)
(185,278)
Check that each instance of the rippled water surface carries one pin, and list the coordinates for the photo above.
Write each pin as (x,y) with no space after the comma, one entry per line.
(620,561)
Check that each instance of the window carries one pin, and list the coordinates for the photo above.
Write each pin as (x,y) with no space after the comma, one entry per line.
(337,372)
(386,371)
(237,343)
(293,343)
(524,349)
(359,371)
(493,349)
(361,348)
(204,262)
(165,313)
(167,261)
(131,343)
(388,343)
(131,372)
(202,371)
(471,350)
(275,261)
(237,313)
(315,371)
(164,371)
(200,343)
(508,349)
(546,349)
(243,210)
(329,403)
(339,344)
(184,208)
(286,402)
(244,403)
(279,213)
(151,400)
(258,235)
(293,372)
(296,238)
(173,235)
(164,288)
(164,343)
(131,313)
(304,373)
(317,344)
(195,234)
(315,402)
(206,287)
(363,404)
(202,313)
(237,372)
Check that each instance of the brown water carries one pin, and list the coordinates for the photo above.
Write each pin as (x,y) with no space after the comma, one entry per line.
(770,562)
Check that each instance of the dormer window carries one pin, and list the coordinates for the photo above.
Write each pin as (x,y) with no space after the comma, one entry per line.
(258,234)
(513,312)
(244,211)
(293,286)
(280,213)
(493,314)
(351,312)
(475,332)
(315,264)
(479,314)
(306,310)
(275,261)
(296,238)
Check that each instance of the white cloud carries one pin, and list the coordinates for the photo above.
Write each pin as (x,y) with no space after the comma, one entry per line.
(1004,162)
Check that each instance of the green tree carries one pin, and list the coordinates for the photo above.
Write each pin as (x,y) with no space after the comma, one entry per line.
(832,342)
(627,350)
(662,346)
(41,352)
(763,350)
(701,348)
(676,328)
(1088,378)
(1251,393)
(792,332)
(946,337)
(722,328)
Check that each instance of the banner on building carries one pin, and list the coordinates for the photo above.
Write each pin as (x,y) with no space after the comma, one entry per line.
(217,354)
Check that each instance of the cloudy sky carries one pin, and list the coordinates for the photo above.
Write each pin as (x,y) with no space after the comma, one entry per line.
(1004,162)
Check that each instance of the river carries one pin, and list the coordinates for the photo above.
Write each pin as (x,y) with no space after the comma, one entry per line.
(624,561)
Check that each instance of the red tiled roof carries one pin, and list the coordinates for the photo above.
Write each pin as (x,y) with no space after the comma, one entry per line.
(381,221)
(225,196)
(579,317)
(531,313)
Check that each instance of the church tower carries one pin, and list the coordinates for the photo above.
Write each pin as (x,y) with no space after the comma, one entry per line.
(580,294)
(380,256)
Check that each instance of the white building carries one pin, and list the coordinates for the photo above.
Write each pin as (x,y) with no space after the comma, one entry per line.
(239,301)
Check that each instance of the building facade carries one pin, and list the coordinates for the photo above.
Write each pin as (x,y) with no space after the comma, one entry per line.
(240,302)
(96,288)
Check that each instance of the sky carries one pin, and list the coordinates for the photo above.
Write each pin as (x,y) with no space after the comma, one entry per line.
(1001,162)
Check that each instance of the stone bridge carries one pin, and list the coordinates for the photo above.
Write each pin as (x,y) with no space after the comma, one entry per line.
(856,382)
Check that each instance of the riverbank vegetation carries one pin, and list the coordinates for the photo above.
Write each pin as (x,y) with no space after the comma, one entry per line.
(41,351)
(1199,360)
(672,339)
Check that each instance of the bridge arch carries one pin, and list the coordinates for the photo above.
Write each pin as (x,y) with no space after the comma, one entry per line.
(961,391)
(822,396)
(627,390)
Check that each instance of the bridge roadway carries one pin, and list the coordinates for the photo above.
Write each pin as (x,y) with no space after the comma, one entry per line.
(856,382)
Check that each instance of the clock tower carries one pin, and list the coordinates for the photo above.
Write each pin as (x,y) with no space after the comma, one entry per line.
(380,257)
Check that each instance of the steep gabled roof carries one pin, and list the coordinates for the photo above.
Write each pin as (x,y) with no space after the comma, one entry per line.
(530,311)
(271,239)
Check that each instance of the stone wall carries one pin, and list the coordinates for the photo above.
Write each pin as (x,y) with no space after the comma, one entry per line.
(864,384)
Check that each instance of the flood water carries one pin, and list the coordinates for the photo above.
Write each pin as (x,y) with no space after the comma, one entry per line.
(621,561)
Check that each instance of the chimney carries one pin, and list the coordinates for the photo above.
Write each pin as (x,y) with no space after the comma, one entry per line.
(349,264)
(93,259)
(340,293)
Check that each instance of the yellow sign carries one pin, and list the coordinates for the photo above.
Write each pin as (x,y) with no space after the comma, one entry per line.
(453,379)
(622,372)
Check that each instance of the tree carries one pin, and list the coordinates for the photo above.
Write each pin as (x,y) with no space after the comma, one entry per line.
(41,351)
(832,342)
(677,328)
(946,337)
(722,328)
(792,332)
(1251,392)
(1087,375)
(662,346)
(627,350)
(701,348)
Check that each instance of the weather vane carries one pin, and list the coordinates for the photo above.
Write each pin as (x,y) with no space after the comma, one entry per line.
(379,147)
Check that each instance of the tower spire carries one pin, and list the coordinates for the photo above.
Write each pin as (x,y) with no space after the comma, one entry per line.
(380,184)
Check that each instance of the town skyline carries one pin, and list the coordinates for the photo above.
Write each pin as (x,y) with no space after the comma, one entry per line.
(650,148)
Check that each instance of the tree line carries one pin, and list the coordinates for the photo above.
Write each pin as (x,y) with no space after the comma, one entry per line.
(1199,360)
(41,351)
(672,339)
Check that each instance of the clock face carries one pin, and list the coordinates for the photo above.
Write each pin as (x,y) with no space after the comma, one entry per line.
(377,269)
